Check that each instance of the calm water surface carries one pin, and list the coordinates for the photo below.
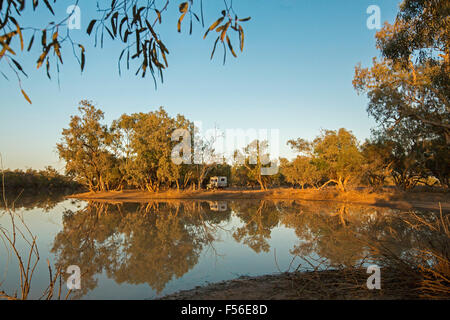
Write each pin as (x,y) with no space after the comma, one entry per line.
(147,250)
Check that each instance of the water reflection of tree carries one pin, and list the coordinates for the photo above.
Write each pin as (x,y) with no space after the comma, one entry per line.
(156,242)
(258,221)
(136,243)
(340,234)
(345,235)
(28,201)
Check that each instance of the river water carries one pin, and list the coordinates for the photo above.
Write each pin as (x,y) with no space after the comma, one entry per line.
(147,250)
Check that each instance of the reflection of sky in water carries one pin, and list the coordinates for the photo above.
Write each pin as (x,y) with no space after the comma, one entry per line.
(44,225)
(223,259)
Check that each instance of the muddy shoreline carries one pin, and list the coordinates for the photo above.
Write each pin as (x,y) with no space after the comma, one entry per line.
(350,284)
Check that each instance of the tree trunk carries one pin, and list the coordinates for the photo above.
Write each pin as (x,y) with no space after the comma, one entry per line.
(341,184)
(327,183)
(261,183)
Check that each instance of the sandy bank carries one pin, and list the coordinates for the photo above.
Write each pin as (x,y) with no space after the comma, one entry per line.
(388,198)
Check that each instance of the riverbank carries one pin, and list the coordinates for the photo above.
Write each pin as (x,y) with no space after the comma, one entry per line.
(318,285)
(386,198)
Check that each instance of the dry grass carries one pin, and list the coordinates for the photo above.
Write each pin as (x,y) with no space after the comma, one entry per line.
(420,273)
(432,257)
(350,283)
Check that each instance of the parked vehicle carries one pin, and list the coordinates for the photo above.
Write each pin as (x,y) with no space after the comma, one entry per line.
(218,206)
(217,183)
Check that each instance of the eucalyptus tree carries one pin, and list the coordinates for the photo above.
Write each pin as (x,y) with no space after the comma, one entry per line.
(253,158)
(152,147)
(378,163)
(338,156)
(302,170)
(136,24)
(205,157)
(85,147)
(408,152)
(411,82)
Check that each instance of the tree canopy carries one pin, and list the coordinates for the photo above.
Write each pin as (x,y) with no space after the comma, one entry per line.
(412,80)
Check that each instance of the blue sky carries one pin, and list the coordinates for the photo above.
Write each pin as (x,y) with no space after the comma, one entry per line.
(295,75)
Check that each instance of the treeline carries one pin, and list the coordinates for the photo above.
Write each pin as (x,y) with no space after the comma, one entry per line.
(35,181)
(387,158)
(135,152)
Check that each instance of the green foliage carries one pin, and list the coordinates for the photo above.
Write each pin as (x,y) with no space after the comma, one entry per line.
(334,157)
(413,157)
(412,81)
(134,152)
(239,176)
(378,163)
(37,181)
(205,159)
(151,146)
(409,96)
(248,165)
(338,156)
(301,171)
(86,149)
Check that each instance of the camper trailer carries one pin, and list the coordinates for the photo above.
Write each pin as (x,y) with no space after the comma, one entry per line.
(218,205)
(217,183)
